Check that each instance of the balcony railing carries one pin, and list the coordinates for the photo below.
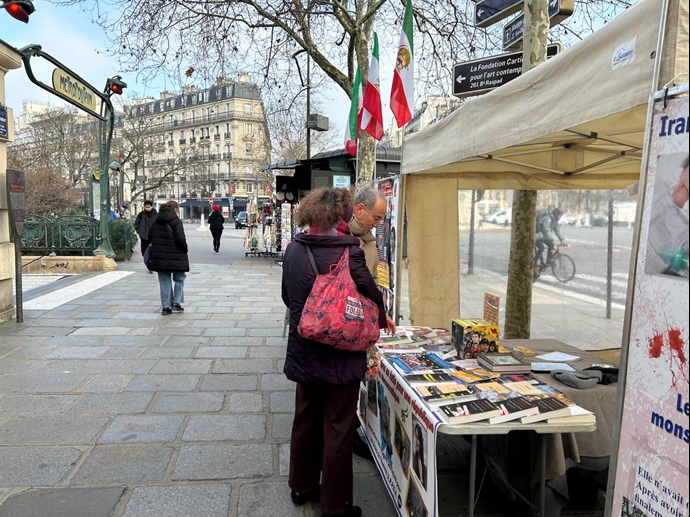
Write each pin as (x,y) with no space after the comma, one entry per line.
(171,143)
(192,140)
(183,141)
(216,136)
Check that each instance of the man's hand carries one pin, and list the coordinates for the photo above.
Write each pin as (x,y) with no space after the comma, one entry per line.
(391,328)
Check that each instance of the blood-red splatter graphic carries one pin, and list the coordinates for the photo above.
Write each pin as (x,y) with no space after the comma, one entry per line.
(677,359)
(675,341)
(655,345)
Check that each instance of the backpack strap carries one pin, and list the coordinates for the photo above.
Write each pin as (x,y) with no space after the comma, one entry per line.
(311,259)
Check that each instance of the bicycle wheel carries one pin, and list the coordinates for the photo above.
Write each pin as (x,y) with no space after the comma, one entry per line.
(563,268)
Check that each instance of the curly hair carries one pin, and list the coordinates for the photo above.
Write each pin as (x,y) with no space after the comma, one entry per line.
(323,208)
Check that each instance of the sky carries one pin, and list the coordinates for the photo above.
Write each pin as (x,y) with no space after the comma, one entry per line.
(69,35)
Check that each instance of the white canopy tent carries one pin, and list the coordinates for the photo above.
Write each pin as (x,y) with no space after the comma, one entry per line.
(575,122)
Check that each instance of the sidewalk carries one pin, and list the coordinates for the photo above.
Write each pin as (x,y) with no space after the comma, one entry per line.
(108,408)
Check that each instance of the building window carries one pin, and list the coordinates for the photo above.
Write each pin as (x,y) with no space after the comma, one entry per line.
(249,187)
(249,169)
(217,150)
(227,169)
(227,130)
(248,128)
(248,108)
(248,148)
(194,99)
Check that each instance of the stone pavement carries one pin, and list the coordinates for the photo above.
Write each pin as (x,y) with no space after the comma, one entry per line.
(108,408)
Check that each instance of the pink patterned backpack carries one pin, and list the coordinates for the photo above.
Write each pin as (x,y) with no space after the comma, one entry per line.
(336,313)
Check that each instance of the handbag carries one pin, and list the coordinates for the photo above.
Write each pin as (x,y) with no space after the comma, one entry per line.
(147,256)
(336,313)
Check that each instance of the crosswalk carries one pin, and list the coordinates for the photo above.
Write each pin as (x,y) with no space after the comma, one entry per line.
(588,288)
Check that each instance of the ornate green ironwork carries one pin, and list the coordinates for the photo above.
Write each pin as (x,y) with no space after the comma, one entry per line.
(60,235)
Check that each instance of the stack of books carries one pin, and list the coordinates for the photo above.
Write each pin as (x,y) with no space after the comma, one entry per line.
(522,353)
(503,364)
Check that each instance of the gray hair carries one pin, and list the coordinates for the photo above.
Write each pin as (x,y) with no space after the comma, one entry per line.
(368,196)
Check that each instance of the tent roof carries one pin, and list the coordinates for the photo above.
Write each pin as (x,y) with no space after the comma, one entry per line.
(577,121)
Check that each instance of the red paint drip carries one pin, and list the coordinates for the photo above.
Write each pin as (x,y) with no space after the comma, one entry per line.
(655,345)
(676,343)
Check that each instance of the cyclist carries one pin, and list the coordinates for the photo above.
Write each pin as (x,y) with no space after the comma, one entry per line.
(548,229)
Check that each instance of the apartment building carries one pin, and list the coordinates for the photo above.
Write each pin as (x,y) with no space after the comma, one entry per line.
(206,143)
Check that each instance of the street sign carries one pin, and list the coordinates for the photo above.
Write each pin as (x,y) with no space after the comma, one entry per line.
(80,94)
(559,10)
(488,12)
(4,127)
(16,198)
(483,75)
(210,201)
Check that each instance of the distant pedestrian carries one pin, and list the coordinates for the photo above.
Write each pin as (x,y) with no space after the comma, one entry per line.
(215,223)
(169,256)
(143,224)
(125,214)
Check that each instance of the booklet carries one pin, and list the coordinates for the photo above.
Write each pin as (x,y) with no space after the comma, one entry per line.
(549,367)
(557,357)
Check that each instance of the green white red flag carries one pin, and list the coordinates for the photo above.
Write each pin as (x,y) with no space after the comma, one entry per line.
(352,126)
(372,113)
(402,92)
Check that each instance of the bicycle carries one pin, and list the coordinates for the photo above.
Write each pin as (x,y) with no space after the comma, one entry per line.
(562,266)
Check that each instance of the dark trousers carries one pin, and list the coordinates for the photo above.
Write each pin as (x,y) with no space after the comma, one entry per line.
(323,435)
(216,239)
(144,244)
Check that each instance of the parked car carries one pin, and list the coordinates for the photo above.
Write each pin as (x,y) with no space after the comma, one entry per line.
(570,218)
(241,220)
(502,217)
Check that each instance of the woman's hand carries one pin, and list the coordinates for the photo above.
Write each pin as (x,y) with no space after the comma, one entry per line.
(391,328)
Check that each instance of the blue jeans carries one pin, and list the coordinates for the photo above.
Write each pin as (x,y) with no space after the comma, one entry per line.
(168,294)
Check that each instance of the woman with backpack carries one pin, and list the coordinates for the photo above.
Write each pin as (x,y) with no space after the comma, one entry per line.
(328,379)
(215,224)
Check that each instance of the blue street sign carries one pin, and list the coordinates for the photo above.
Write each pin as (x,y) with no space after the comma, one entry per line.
(559,10)
(488,12)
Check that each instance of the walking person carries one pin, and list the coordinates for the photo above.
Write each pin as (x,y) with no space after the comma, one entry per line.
(143,224)
(323,429)
(169,257)
(215,223)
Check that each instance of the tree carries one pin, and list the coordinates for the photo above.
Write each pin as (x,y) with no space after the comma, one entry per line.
(48,192)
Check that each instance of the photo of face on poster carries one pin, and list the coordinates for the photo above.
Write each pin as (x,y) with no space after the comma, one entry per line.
(413,501)
(402,445)
(419,456)
(363,405)
(667,243)
(372,396)
(385,425)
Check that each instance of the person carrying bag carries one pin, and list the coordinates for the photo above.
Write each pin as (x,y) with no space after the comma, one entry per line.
(327,370)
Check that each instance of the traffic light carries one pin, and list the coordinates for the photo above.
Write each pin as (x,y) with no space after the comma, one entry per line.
(19,9)
(116,85)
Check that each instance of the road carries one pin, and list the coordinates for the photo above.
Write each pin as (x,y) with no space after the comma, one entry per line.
(587,249)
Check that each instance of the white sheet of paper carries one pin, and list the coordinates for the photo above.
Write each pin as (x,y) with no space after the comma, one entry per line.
(557,357)
(549,367)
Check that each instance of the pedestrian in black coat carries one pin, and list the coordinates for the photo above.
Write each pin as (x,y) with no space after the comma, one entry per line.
(215,224)
(144,222)
(327,379)
(169,257)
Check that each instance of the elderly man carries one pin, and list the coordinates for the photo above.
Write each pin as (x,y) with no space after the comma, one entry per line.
(369,211)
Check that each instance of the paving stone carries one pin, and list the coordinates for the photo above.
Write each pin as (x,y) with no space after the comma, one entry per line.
(182,366)
(243,366)
(188,402)
(246,403)
(34,466)
(262,324)
(30,352)
(236,341)
(228,317)
(179,501)
(40,383)
(276,382)
(371,495)
(23,341)
(76,340)
(282,402)
(136,315)
(267,499)
(281,426)
(44,331)
(277,341)
(197,462)
(134,340)
(101,366)
(20,366)
(171,352)
(267,352)
(216,332)
(26,405)
(123,464)
(135,429)
(112,403)
(170,330)
(124,352)
(104,383)
(274,332)
(214,323)
(163,383)
(229,382)
(51,430)
(216,352)
(63,502)
(187,341)
(79,352)
(100,331)
(284,459)
(252,310)
(211,428)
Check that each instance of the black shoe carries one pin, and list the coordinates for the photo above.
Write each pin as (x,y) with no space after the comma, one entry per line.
(302,498)
(361,448)
(354,511)
(177,307)
(166,311)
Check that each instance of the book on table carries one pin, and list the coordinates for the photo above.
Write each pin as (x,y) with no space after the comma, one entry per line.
(578,415)
(522,387)
(467,377)
(441,394)
(470,411)
(549,407)
(410,363)
(401,348)
(514,408)
(429,379)
(503,363)
(396,339)
(495,387)
(538,367)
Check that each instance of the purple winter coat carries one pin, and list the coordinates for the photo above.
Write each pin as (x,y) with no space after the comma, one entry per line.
(311,362)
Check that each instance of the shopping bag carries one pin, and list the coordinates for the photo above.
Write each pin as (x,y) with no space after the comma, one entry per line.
(336,313)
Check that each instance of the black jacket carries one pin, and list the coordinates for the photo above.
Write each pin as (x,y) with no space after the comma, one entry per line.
(169,251)
(144,222)
(311,362)
(216,221)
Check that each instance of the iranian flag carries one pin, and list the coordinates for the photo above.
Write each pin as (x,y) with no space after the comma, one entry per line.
(372,113)
(352,126)
(402,93)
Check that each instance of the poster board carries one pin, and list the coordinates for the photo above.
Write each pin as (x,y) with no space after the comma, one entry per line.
(492,304)
(401,432)
(652,461)
(388,238)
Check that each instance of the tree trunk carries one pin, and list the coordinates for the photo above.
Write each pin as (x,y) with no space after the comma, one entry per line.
(520,269)
(366,158)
